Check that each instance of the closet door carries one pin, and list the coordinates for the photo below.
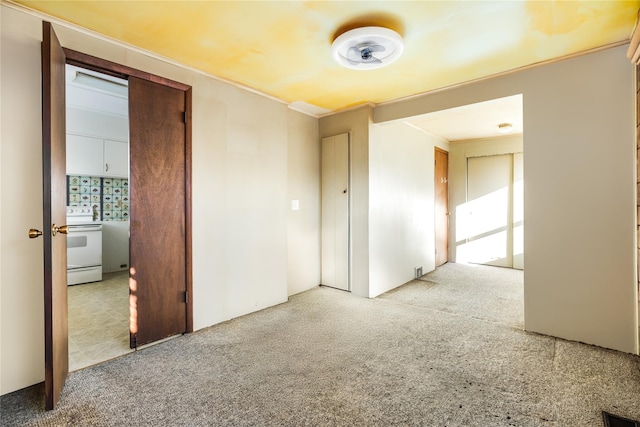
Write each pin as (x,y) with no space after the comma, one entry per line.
(489,210)
(335,211)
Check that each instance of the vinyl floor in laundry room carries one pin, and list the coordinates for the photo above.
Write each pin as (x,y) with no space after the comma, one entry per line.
(98,320)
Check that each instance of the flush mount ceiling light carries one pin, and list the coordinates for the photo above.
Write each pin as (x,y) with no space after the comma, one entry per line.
(505,127)
(367,48)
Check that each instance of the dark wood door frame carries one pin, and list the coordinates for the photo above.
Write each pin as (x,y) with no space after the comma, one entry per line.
(117,70)
(441,195)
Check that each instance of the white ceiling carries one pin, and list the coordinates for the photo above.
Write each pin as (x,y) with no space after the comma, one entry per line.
(473,121)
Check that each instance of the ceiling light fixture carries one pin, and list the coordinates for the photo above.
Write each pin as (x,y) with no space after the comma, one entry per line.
(367,48)
(505,127)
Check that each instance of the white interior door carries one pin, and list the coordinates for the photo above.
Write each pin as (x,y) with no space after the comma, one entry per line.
(489,238)
(335,211)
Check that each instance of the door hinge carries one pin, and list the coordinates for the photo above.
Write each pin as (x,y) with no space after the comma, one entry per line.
(134,341)
(186,296)
(185,117)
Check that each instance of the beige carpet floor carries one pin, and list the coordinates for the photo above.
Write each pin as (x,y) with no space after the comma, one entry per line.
(479,292)
(417,356)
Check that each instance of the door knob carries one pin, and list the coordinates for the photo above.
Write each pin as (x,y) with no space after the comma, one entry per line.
(63,229)
(33,233)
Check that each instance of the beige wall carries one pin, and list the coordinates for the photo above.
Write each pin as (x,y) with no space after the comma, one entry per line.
(579,179)
(401,204)
(392,223)
(21,291)
(304,186)
(241,183)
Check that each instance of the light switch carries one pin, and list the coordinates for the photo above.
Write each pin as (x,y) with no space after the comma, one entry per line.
(295,205)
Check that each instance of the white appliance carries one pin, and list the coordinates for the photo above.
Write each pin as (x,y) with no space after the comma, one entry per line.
(84,246)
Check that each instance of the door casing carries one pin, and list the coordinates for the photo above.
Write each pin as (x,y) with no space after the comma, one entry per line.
(441,184)
(54,57)
(117,70)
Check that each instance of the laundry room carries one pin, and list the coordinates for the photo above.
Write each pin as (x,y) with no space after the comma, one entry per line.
(98,209)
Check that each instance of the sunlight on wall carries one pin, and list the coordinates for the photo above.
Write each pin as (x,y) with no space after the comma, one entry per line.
(489,226)
(481,232)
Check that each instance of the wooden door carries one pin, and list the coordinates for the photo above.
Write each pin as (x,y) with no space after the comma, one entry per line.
(158,204)
(335,212)
(441,190)
(54,214)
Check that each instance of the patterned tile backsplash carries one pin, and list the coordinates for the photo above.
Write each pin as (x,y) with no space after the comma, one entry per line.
(109,197)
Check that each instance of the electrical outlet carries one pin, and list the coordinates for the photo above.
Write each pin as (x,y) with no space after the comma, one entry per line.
(418,272)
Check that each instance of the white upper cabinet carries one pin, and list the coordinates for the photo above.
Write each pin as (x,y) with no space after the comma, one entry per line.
(91,156)
(116,158)
(84,155)
(97,144)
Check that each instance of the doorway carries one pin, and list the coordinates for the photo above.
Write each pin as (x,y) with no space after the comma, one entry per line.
(97,152)
(485,145)
(160,275)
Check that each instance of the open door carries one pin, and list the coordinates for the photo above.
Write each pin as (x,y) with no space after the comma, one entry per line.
(158,218)
(54,215)
(160,141)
